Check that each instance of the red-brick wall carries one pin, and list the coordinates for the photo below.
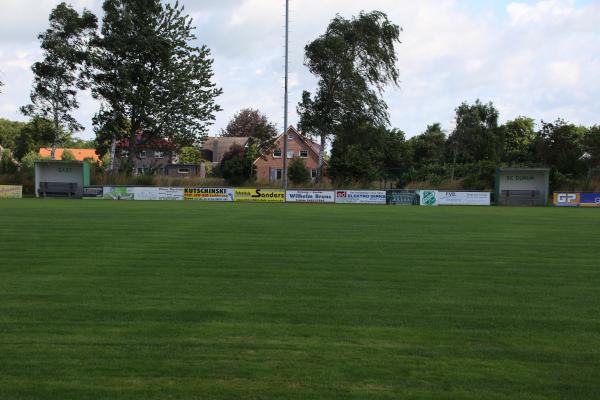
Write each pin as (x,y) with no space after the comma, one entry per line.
(295,145)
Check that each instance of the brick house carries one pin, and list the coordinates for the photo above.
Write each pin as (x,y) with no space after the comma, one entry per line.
(269,167)
(152,158)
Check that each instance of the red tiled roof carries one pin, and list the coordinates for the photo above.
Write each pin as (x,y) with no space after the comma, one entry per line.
(80,154)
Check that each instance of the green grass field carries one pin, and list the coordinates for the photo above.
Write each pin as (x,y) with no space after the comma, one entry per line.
(184,300)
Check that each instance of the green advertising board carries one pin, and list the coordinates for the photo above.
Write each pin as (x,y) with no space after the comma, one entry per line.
(429,197)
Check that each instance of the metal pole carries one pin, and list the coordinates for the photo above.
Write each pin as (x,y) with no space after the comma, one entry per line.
(285,100)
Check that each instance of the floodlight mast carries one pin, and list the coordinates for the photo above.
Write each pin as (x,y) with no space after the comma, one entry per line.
(285,97)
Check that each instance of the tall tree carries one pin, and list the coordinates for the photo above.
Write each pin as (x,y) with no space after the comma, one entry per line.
(62,71)
(559,145)
(149,74)
(354,61)
(364,153)
(38,132)
(519,136)
(255,125)
(429,147)
(592,145)
(9,132)
(476,136)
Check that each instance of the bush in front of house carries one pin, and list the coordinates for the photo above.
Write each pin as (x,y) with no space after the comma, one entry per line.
(237,165)
(297,171)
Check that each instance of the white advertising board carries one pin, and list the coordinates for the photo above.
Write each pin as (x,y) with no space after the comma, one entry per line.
(170,193)
(145,193)
(464,198)
(130,193)
(360,196)
(310,196)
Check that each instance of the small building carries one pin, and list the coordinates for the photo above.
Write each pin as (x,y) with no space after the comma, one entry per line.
(522,186)
(79,154)
(269,166)
(57,178)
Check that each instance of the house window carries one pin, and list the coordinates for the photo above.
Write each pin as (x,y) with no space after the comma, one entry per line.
(313,173)
(143,154)
(277,153)
(159,154)
(276,174)
(124,153)
(304,153)
(140,171)
(183,171)
(290,137)
(290,154)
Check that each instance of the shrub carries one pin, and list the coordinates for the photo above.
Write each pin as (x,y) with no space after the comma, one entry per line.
(29,158)
(297,171)
(143,180)
(237,166)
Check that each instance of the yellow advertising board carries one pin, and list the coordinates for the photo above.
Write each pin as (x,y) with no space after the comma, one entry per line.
(11,192)
(261,195)
(566,199)
(208,194)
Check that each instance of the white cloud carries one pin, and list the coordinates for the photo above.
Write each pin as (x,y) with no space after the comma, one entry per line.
(563,73)
(533,58)
(555,10)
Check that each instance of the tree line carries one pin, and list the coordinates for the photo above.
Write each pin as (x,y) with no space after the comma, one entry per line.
(355,60)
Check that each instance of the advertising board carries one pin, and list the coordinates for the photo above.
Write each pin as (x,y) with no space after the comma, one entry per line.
(589,199)
(208,194)
(118,193)
(360,196)
(566,199)
(310,196)
(464,198)
(129,193)
(93,193)
(259,195)
(145,193)
(429,197)
(11,192)
(402,197)
(170,193)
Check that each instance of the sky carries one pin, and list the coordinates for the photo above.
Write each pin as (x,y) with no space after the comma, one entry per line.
(539,59)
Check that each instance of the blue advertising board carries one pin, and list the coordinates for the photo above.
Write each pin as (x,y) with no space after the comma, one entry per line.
(589,200)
